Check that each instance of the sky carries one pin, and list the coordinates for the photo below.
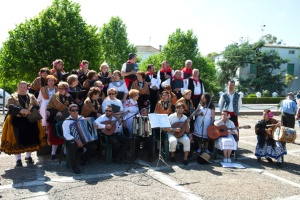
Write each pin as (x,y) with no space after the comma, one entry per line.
(216,23)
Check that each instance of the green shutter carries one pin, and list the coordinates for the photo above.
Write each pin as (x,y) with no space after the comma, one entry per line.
(252,69)
(290,68)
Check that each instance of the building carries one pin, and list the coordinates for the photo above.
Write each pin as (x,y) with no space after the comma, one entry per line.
(144,51)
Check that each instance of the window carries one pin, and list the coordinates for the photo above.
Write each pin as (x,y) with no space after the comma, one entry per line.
(252,69)
(290,68)
(291,51)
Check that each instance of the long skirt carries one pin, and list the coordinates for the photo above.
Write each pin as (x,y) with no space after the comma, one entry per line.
(272,149)
(19,135)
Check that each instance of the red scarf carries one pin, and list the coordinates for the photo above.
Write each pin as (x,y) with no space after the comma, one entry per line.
(196,81)
(187,71)
(174,79)
(128,61)
(151,74)
(166,71)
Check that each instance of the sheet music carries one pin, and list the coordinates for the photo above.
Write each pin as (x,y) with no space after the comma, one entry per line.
(154,82)
(232,165)
(159,120)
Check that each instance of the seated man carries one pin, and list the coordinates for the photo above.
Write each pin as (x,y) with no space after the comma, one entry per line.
(147,139)
(73,142)
(119,141)
(178,116)
(228,143)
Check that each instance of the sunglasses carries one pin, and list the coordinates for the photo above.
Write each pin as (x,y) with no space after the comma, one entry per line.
(108,110)
(111,93)
(74,110)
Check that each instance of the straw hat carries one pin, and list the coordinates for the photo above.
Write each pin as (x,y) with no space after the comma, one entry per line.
(203,158)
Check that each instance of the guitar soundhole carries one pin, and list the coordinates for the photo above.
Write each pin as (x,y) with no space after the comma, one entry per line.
(222,130)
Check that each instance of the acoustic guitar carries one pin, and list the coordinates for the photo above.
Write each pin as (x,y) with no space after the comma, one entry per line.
(214,132)
(182,126)
(113,124)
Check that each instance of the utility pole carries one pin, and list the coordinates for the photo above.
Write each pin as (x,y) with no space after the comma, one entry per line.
(262,30)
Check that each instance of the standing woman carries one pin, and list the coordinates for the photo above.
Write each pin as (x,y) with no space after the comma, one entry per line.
(45,95)
(58,111)
(18,134)
(91,106)
(205,118)
(83,71)
(57,69)
(142,86)
(195,84)
(131,104)
(119,85)
(104,76)
(39,82)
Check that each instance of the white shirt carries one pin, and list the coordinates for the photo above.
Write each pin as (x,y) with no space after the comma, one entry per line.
(230,107)
(107,101)
(66,127)
(101,119)
(173,118)
(120,86)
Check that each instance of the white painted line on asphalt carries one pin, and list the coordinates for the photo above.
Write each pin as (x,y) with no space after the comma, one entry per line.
(163,178)
(296,197)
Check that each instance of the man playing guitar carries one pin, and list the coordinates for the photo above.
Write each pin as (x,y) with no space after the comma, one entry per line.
(119,141)
(178,116)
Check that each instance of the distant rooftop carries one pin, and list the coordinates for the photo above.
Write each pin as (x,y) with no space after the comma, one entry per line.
(146,48)
(281,46)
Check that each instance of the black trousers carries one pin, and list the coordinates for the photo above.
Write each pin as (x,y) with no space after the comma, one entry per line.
(288,120)
(120,144)
(73,147)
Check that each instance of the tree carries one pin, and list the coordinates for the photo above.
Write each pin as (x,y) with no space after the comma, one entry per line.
(57,32)
(289,79)
(115,45)
(155,59)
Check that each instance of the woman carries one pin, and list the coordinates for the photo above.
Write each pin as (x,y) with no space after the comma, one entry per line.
(99,85)
(119,85)
(58,111)
(45,95)
(187,102)
(164,105)
(75,90)
(116,104)
(104,76)
(39,81)
(131,105)
(18,134)
(57,70)
(266,145)
(91,77)
(142,86)
(195,84)
(172,97)
(91,106)
(205,117)
(227,143)
(83,71)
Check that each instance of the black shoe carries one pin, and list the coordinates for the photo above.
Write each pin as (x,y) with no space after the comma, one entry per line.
(185,162)
(19,163)
(76,170)
(29,160)
(173,159)
(279,164)
(269,159)
(53,157)
(258,159)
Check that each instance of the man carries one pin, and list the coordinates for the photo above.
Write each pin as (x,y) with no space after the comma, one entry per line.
(129,76)
(119,141)
(72,142)
(186,72)
(232,102)
(178,116)
(153,83)
(196,85)
(228,143)
(165,73)
(288,110)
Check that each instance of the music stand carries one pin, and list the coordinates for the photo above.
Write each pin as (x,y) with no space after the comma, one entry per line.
(159,121)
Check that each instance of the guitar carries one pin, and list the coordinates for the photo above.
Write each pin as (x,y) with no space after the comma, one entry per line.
(214,132)
(113,124)
(182,126)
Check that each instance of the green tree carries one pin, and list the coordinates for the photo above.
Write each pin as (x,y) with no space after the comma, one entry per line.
(115,45)
(57,32)
(155,59)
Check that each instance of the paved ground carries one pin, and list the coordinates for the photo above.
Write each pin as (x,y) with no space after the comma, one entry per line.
(49,180)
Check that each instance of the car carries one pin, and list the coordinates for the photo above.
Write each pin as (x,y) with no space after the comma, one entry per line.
(2,96)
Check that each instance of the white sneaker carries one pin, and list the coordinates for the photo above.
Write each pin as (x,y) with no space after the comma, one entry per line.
(229,160)
(225,160)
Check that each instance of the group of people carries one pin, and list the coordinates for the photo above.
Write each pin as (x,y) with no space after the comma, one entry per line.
(115,101)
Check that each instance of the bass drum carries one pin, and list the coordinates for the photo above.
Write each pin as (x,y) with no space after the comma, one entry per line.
(141,126)
(284,134)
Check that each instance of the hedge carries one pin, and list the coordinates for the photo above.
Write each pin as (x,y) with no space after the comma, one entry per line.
(273,100)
